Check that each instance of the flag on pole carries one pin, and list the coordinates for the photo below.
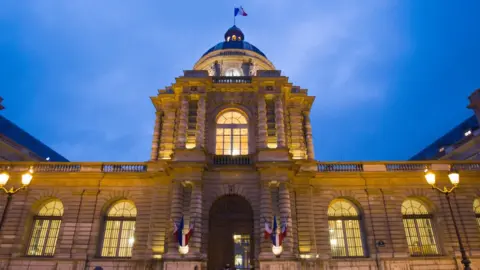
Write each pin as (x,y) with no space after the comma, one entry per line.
(182,238)
(239,11)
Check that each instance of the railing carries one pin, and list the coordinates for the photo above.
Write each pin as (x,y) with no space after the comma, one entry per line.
(124,168)
(57,167)
(467,167)
(233,79)
(406,167)
(339,167)
(231,160)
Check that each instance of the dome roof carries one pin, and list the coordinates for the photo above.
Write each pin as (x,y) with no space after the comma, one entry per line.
(234,39)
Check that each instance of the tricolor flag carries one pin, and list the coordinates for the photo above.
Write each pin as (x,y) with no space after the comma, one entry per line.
(277,236)
(267,231)
(182,238)
(239,11)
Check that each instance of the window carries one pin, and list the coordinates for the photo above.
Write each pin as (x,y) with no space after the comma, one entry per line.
(233,72)
(232,134)
(344,229)
(46,225)
(119,232)
(476,209)
(417,222)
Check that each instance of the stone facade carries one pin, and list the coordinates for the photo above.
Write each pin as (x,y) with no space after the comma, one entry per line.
(191,176)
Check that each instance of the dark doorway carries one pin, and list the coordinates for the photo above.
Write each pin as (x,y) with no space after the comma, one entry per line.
(230,234)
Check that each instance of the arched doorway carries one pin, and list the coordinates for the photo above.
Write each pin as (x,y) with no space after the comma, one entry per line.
(230,234)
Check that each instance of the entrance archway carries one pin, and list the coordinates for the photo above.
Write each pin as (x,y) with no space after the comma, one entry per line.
(230,233)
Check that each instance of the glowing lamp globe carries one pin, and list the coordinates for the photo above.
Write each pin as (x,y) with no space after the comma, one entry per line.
(26,178)
(454,177)
(277,250)
(4,178)
(183,250)
(430,177)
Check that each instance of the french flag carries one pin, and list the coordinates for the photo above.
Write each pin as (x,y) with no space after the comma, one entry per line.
(182,238)
(239,11)
(276,237)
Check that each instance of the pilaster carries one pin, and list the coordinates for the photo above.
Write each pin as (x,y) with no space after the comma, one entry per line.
(265,215)
(176,213)
(182,124)
(286,212)
(168,132)
(196,217)
(262,122)
(156,136)
(279,122)
(309,136)
(201,110)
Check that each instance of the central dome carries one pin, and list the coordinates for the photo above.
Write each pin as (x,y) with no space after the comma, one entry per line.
(234,39)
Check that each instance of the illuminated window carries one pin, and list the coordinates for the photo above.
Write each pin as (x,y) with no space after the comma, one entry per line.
(242,250)
(119,232)
(46,225)
(234,38)
(232,134)
(476,209)
(468,133)
(233,72)
(417,222)
(344,228)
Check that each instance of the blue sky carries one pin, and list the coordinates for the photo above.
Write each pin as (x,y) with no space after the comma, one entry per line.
(389,76)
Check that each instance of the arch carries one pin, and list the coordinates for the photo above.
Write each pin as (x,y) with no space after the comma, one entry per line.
(231,133)
(119,229)
(345,229)
(231,231)
(417,222)
(45,229)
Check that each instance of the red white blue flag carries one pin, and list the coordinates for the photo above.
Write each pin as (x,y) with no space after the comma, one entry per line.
(239,11)
(182,238)
(277,236)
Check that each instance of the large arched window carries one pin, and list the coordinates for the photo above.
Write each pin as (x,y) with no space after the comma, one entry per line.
(119,232)
(46,225)
(417,222)
(344,228)
(232,134)
(476,209)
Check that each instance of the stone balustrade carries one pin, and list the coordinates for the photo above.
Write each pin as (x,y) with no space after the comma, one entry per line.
(406,166)
(225,79)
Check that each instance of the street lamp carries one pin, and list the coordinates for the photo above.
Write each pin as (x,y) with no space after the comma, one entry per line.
(454,178)
(4,176)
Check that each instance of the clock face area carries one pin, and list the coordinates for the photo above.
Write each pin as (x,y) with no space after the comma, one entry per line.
(233,72)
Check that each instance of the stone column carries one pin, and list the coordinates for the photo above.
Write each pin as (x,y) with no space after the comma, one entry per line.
(286,212)
(200,140)
(196,217)
(265,213)
(297,147)
(280,122)
(262,122)
(168,131)
(182,124)
(309,136)
(156,136)
(175,214)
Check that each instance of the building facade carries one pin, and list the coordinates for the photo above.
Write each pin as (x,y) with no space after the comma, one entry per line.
(232,164)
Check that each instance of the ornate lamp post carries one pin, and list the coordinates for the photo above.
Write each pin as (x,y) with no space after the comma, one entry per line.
(455,180)
(26,179)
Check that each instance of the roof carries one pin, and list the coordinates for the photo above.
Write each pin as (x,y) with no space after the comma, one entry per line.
(19,136)
(235,45)
(454,136)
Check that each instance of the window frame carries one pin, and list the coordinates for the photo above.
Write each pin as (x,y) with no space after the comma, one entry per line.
(122,219)
(428,217)
(243,145)
(50,219)
(343,218)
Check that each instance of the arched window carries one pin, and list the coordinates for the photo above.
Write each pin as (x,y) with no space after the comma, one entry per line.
(46,225)
(232,134)
(417,222)
(476,209)
(233,72)
(119,232)
(344,228)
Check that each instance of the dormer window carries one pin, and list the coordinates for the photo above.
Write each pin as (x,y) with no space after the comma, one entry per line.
(234,38)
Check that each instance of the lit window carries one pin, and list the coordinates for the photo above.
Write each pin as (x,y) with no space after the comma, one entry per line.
(344,229)
(468,133)
(239,38)
(119,232)
(417,222)
(234,38)
(228,39)
(441,149)
(46,225)
(233,72)
(232,134)
(476,209)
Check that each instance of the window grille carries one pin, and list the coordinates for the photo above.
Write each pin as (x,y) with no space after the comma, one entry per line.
(119,231)
(232,134)
(46,225)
